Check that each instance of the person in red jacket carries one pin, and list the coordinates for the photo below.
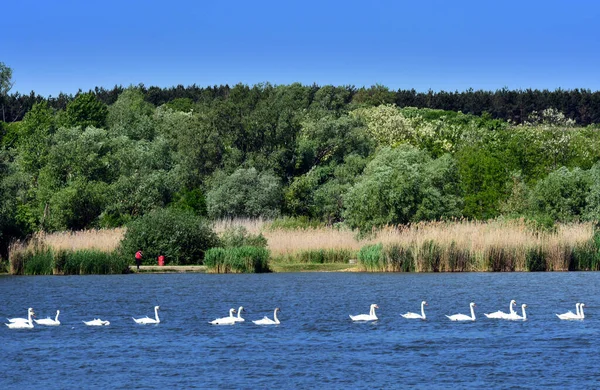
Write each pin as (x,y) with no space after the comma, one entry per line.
(138,259)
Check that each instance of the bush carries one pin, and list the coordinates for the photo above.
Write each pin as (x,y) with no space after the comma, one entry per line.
(179,235)
(245,259)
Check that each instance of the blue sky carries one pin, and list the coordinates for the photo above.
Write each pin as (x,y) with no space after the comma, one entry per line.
(64,46)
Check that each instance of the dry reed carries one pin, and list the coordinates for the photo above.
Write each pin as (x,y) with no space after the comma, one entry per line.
(459,245)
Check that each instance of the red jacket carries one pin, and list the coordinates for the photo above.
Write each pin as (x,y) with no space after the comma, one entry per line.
(138,255)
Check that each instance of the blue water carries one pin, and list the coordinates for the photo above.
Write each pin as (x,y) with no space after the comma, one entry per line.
(315,346)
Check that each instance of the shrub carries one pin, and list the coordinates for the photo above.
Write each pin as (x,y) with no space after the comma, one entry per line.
(179,235)
(245,259)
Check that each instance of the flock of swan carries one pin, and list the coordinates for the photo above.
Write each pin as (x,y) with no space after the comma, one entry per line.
(512,315)
(27,323)
(231,319)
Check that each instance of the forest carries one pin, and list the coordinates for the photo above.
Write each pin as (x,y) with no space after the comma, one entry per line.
(338,155)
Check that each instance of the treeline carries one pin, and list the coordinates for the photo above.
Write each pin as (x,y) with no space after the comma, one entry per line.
(581,105)
(331,154)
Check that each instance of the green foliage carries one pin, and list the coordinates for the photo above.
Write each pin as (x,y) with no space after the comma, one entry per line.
(46,261)
(92,262)
(131,116)
(193,200)
(179,235)
(86,110)
(238,236)
(403,185)
(181,104)
(586,255)
(294,223)
(483,178)
(328,140)
(38,263)
(562,194)
(246,193)
(245,259)
(391,258)
(317,256)
(592,211)
(75,207)
(535,259)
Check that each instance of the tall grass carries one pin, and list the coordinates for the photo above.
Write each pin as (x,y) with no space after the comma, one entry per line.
(244,259)
(458,246)
(316,256)
(498,246)
(35,258)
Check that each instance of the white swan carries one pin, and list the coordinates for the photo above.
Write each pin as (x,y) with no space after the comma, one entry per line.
(516,317)
(464,317)
(239,315)
(267,321)
(366,317)
(570,315)
(18,324)
(225,320)
(97,322)
(30,313)
(147,320)
(581,315)
(502,315)
(49,321)
(415,315)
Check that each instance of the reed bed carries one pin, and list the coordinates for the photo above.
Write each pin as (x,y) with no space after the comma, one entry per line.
(244,259)
(316,256)
(458,246)
(105,240)
(489,246)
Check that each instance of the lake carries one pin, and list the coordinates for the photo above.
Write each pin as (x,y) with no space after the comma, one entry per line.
(316,345)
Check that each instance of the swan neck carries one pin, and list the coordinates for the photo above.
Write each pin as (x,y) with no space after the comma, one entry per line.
(57,313)
(422,310)
(512,311)
(524,313)
(578,310)
(581,315)
(472,312)
(156,314)
(275,317)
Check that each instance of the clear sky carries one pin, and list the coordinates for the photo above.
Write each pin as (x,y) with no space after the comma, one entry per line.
(62,46)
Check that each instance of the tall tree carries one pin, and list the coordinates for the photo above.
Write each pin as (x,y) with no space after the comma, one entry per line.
(6,84)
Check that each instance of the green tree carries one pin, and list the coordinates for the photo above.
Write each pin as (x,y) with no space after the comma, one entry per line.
(563,195)
(6,85)
(86,110)
(179,235)
(245,193)
(131,116)
(403,185)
